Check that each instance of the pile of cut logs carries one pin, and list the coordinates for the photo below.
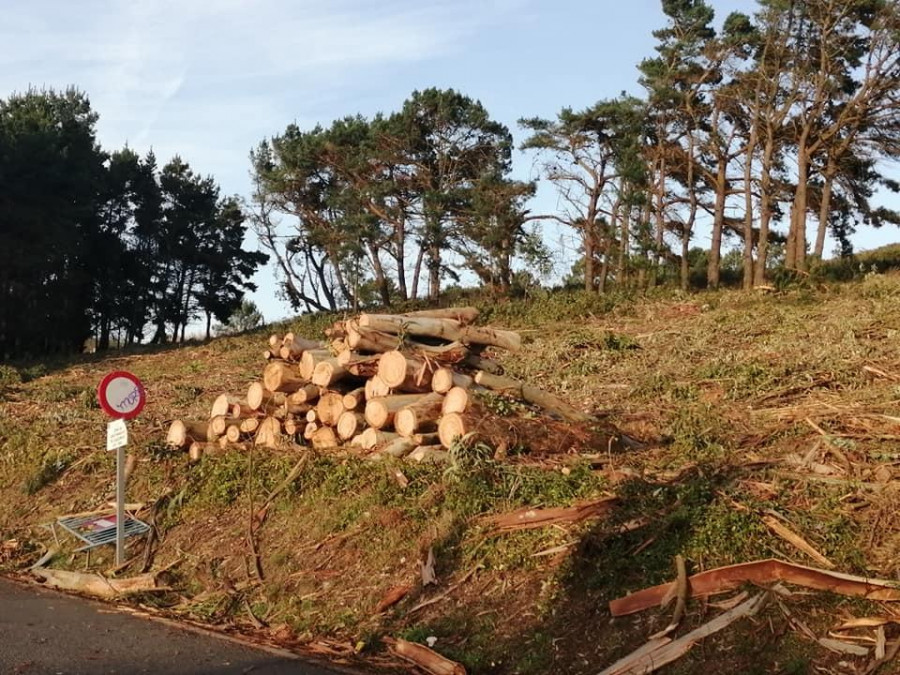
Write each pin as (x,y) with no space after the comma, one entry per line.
(395,385)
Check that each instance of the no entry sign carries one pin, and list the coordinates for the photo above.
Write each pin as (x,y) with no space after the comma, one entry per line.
(121,395)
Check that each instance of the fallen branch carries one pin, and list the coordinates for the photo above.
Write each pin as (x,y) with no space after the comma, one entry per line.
(647,660)
(761,572)
(99,586)
(426,658)
(528,518)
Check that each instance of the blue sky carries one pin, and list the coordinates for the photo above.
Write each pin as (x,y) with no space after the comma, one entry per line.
(209,80)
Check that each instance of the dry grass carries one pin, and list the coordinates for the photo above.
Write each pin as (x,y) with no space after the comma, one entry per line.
(750,405)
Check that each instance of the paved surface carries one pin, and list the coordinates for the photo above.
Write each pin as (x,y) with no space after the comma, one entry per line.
(46,632)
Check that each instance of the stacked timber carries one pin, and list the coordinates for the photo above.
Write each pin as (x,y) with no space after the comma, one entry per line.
(391,385)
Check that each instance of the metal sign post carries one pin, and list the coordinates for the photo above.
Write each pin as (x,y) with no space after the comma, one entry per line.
(122,397)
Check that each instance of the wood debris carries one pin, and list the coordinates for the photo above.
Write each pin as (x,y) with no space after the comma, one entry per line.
(662,651)
(425,658)
(528,518)
(399,385)
(762,572)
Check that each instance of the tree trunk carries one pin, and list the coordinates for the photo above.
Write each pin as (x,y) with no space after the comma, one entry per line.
(588,259)
(825,208)
(715,251)
(765,212)
(417,272)
(381,282)
(748,211)
(796,253)
(622,263)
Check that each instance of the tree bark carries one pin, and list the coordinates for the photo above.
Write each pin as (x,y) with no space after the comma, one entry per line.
(380,412)
(420,416)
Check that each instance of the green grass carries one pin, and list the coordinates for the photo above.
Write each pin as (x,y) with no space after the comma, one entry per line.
(718,385)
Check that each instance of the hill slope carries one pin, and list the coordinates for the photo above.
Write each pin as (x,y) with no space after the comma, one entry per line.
(752,407)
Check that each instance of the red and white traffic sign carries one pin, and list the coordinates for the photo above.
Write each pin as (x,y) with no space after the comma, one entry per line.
(121,395)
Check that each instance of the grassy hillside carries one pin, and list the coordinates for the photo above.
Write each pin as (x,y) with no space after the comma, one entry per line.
(749,405)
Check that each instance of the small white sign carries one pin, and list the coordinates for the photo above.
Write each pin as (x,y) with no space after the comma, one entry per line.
(116,435)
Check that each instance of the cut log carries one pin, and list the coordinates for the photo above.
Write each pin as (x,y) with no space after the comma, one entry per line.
(309,430)
(292,346)
(270,354)
(353,400)
(291,426)
(446,329)
(366,340)
(305,394)
(259,398)
(275,341)
(327,372)
(419,416)
(283,377)
(537,436)
(456,401)
(380,411)
(310,360)
(196,451)
(217,425)
(350,424)
(376,387)
(249,425)
(359,366)
(464,315)
(181,434)
(453,426)
(233,433)
(223,442)
(444,379)
(337,330)
(324,437)
(372,438)
(329,408)
(268,435)
(242,410)
(429,454)
(524,392)
(312,416)
(403,373)
(222,405)
(296,409)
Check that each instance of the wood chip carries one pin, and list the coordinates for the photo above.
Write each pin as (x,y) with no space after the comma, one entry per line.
(842,647)
(796,541)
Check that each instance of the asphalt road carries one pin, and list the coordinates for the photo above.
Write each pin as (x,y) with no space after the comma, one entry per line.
(45,632)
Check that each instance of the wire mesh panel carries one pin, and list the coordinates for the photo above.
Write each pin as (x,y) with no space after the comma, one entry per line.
(98,529)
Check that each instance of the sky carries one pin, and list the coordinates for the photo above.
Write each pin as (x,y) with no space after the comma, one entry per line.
(208,80)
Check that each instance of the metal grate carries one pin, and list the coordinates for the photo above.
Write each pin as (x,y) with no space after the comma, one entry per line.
(98,529)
